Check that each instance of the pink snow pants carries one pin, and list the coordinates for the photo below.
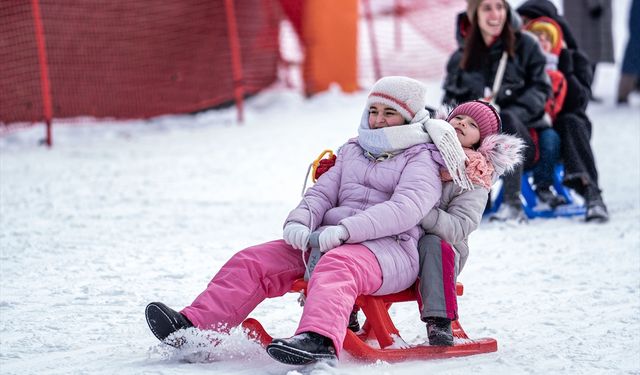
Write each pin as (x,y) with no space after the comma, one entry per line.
(268,270)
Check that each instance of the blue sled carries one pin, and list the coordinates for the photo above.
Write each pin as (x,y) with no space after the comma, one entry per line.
(530,200)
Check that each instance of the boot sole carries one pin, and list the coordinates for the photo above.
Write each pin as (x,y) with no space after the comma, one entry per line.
(154,315)
(293,356)
(440,341)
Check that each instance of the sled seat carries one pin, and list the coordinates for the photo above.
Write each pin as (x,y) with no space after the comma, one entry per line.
(530,200)
(389,345)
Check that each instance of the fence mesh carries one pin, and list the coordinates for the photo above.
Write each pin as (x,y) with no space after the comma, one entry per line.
(132,59)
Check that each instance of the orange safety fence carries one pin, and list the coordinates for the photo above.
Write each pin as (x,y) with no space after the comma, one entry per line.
(129,59)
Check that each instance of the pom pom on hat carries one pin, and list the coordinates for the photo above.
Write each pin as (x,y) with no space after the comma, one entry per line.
(483,113)
(404,94)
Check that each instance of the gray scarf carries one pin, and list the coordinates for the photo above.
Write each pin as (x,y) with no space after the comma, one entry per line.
(384,143)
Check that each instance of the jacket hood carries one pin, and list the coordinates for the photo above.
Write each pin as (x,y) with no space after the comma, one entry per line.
(503,151)
(557,46)
(545,8)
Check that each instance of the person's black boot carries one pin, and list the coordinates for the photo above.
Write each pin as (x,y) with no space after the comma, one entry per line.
(545,195)
(163,321)
(354,325)
(302,349)
(596,209)
(511,209)
(439,331)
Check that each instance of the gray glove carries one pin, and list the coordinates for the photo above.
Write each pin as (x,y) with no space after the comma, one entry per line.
(332,237)
(297,235)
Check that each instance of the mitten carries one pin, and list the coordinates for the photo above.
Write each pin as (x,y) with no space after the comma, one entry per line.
(296,235)
(332,237)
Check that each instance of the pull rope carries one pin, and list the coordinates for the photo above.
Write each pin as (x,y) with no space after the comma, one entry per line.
(313,167)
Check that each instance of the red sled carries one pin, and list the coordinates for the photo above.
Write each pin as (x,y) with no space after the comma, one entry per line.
(379,326)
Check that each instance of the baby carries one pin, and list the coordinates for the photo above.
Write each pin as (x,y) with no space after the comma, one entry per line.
(547,139)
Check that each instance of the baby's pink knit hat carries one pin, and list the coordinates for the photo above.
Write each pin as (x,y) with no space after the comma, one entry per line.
(483,113)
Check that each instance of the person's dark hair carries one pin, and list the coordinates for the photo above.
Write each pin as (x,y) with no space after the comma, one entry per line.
(475,50)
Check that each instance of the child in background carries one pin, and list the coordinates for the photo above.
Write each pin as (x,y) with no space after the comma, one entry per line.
(444,248)
(549,35)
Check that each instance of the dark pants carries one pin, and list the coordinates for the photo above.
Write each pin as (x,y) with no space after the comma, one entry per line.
(511,124)
(549,147)
(579,163)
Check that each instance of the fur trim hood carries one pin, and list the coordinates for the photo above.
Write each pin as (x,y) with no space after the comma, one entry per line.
(503,151)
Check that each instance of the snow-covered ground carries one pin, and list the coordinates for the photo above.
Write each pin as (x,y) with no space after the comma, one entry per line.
(120,214)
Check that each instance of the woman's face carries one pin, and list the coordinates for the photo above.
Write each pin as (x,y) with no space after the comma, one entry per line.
(492,15)
(381,116)
(467,130)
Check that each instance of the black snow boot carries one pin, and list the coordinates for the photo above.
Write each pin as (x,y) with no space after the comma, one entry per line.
(545,195)
(163,321)
(511,209)
(302,349)
(439,331)
(354,325)
(596,210)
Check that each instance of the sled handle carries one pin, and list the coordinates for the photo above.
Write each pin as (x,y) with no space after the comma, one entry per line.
(316,162)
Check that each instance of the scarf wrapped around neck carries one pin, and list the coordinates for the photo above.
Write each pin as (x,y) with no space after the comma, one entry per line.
(384,143)
(478,169)
(552,61)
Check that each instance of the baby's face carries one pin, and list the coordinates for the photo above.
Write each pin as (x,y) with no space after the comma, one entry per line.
(467,130)
(381,116)
(544,41)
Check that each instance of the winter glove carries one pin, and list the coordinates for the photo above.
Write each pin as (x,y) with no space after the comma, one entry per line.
(332,237)
(296,235)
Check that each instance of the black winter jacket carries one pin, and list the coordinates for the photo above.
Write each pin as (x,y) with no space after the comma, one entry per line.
(573,63)
(525,86)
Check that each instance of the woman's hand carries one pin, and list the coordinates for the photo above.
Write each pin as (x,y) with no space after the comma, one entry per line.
(297,235)
(332,237)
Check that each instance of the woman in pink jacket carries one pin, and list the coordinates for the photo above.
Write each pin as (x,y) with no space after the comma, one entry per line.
(368,206)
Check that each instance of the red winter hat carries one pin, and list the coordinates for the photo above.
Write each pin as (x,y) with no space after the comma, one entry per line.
(483,113)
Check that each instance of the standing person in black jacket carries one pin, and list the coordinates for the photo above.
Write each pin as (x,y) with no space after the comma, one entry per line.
(487,32)
(573,124)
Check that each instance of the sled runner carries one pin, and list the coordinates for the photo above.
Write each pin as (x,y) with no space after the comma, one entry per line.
(379,326)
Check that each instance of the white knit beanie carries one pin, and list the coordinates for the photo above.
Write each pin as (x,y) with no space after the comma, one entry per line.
(405,95)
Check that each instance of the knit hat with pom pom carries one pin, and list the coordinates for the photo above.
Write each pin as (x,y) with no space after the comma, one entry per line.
(483,113)
(405,95)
